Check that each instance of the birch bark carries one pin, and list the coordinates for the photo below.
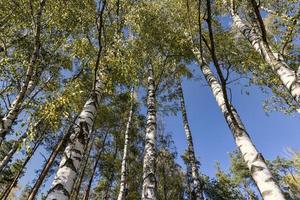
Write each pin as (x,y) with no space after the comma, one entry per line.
(76,188)
(70,163)
(289,78)
(149,165)
(48,164)
(28,85)
(196,188)
(122,192)
(255,161)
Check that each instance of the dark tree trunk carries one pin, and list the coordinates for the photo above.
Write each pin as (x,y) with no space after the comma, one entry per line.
(47,166)
(88,189)
(17,176)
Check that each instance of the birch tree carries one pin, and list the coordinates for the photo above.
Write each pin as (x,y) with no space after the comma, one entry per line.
(149,176)
(256,34)
(197,187)
(255,161)
(29,84)
(122,192)
(66,174)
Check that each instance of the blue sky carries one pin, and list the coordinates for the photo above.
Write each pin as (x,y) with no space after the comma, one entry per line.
(271,133)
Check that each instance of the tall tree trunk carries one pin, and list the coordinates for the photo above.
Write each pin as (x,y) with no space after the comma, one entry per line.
(111,179)
(289,78)
(70,163)
(8,189)
(255,161)
(77,185)
(87,191)
(122,192)
(88,188)
(189,181)
(149,165)
(108,187)
(29,83)
(67,171)
(48,164)
(14,148)
(197,187)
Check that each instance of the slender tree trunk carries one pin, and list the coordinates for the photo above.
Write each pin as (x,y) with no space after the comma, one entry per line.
(87,191)
(8,189)
(289,78)
(110,180)
(14,148)
(122,192)
(165,190)
(76,188)
(189,181)
(197,187)
(47,165)
(108,187)
(88,188)
(28,85)
(149,164)
(255,161)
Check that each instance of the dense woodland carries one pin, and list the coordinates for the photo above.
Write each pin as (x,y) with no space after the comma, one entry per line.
(75,77)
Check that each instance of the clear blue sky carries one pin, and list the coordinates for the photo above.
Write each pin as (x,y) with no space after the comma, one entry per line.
(271,133)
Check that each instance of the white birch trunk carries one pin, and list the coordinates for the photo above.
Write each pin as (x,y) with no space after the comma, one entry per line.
(66,174)
(149,164)
(28,85)
(289,78)
(122,192)
(197,187)
(255,161)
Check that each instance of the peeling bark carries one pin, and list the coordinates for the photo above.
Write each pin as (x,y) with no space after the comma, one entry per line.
(149,163)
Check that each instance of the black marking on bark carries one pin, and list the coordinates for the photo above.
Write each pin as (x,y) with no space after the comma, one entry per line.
(255,168)
(81,135)
(92,119)
(259,157)
(76,151)
(90,112)
(270,179)
(77,158)
(60,187)
(70,164)
(93,102)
